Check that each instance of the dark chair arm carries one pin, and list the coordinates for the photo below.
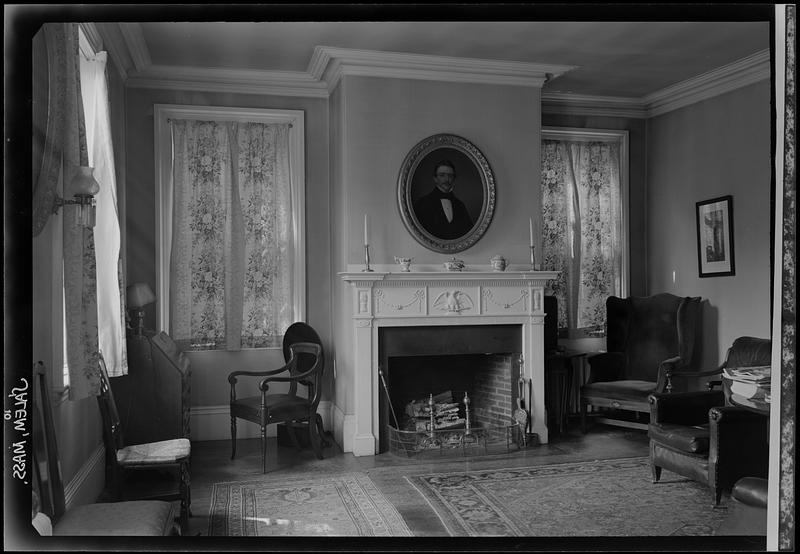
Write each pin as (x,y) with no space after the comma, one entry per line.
(671,369)
(264,385)
(234,374)
(606,366)
(739,444)
(684,408)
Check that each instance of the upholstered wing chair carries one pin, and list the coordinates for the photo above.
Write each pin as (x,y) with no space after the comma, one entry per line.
(649,341)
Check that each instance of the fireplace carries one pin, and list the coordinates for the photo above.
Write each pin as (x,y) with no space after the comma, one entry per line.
(481,361)
(425,314)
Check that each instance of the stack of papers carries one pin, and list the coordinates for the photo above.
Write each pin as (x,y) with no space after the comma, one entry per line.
(750,382)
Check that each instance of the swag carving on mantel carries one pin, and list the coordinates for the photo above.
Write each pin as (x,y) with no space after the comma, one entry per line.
(440,298)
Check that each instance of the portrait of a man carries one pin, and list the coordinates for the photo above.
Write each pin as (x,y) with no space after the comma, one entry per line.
(447,194)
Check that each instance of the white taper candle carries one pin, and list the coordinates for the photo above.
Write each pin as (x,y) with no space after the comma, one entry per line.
(366,234)
(530,229)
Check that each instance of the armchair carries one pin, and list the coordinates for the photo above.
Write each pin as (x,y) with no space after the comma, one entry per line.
(702,436)
(305,364)
(650,341)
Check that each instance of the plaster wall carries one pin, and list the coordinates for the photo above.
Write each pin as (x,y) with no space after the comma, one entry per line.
(717,147)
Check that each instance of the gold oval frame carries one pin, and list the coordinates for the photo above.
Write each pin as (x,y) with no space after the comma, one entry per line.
(407,178)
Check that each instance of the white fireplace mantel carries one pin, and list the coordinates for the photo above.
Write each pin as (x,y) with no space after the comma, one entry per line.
(427,298)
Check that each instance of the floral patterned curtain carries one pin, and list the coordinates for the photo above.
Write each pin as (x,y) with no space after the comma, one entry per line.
(64,152)
(582,228)
(230,267)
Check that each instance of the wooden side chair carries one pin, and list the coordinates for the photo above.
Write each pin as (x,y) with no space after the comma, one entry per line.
(137,518)
(153,470)
(305,364)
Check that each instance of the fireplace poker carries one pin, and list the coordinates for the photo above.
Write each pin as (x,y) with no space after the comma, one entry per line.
(389,400)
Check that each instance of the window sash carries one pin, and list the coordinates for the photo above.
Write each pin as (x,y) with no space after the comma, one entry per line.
(567,134)
(164,191)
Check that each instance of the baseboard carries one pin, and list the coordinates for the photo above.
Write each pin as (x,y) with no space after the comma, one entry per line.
(87,485)
(344,428)
(211,423)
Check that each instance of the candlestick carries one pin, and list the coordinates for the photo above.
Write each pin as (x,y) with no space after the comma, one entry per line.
(533,258)
(530,229)
(366,258)
(366,234)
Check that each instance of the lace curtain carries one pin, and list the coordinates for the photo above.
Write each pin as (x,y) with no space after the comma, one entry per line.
(582,229)
(110,279)
(231,261)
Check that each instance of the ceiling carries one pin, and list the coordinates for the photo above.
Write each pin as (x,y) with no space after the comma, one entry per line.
(618,59)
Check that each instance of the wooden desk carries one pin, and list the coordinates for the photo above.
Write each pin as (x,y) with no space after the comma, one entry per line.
(558,377)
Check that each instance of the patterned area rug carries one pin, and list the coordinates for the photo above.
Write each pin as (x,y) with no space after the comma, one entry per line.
(333,505)
(612,498)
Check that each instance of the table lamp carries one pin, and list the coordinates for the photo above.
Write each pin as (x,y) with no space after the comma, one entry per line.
(140,295)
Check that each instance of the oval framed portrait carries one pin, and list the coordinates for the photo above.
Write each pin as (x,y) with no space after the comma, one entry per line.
(446,193)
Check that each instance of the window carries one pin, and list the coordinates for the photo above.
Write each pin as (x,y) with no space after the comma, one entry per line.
(584,233)
(230,225)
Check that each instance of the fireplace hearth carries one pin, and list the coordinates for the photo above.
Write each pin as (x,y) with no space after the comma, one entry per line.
(481,361)
(400,328)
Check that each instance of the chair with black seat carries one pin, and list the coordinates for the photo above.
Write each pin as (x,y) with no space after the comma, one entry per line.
(649,341)
(135,518)
(702,436)
(153,470)
(305,364)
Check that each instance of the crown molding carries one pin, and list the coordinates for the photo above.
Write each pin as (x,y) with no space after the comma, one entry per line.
(137,47)
(94,38)
(283,83)
(117,48)
(125,43)
(329,64)
(743,72)
(582,104)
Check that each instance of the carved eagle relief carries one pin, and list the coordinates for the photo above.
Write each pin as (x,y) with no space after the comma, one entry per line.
(453,302)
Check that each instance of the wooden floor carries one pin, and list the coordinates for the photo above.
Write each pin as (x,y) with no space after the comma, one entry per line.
(211,463)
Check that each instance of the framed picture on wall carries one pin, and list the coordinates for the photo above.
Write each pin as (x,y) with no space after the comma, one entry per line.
(446,193)
(715,237)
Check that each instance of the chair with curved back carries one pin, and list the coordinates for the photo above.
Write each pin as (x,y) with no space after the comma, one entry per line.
(153,470)
(134,518)
(650,341)
(305,364)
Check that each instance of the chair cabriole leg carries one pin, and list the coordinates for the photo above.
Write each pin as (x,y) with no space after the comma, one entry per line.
(233,437)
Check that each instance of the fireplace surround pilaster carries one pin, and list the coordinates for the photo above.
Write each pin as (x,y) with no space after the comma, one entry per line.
(434,298)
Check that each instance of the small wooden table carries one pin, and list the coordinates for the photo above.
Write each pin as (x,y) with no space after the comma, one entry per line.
(559,369)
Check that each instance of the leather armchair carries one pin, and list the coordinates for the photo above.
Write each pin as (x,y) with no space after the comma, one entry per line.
(700,435)
(650,342)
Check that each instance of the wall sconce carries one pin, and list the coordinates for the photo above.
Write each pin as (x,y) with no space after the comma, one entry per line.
(85,187)
(139,295)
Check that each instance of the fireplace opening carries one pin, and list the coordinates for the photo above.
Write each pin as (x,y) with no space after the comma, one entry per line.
(447,363)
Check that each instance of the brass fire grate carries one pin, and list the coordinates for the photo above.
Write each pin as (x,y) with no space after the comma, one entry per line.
(500,437)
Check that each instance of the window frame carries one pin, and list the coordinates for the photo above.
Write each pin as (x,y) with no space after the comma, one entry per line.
(163,191)
(621,136)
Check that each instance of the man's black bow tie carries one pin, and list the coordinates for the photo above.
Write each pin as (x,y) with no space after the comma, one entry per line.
(439,194)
